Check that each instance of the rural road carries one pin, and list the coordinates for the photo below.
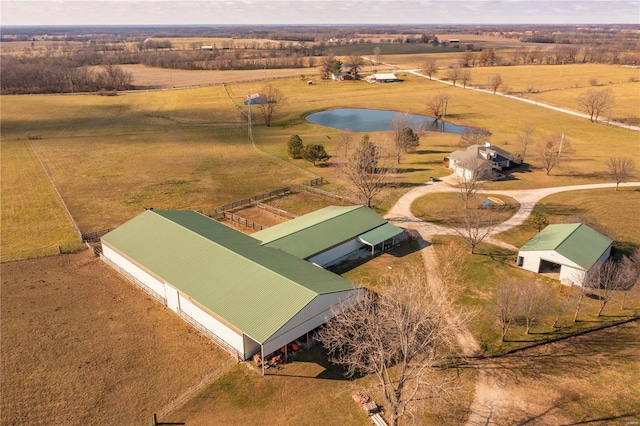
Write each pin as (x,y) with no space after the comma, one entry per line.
(489,398)
(529,101)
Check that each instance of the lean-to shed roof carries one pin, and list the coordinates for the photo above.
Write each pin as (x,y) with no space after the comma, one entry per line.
(575,241)
(256,289)
(318,231)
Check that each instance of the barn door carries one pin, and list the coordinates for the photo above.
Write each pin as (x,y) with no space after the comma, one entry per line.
(173,299)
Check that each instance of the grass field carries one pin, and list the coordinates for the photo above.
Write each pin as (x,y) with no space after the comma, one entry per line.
(614,212)
(446,208)
(82,345)
(110,157)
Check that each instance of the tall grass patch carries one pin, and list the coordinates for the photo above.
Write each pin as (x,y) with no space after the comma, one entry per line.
(34,222)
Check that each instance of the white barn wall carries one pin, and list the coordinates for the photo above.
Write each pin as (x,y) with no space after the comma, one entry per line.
(313,315)
(251,347)
(214,326)
(337,252)
(135,271)
(569,273)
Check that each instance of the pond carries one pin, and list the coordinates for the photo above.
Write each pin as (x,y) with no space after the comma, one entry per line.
(373,120)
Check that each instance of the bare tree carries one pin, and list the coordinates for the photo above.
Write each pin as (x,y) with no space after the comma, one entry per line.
(465,77)
(377,54)
(583,292)
(474,136)
(273,100)
(606,279)
(536,300)
(438,104)
(524,140)
(505,306)
(454,74)
(473,172)
(495,82)
(621,168)
(630,272)
(596,102)
(429,67)
(403,327)
(328,66)
(453,261)
(367,169)
(404,138)
(553,150)
(354,62)
(475,225)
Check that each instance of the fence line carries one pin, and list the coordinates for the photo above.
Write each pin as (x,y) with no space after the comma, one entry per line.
(55,188)
(94,237)
(328,194)
(191,391)
(242,221)
(277,193)
(275,210)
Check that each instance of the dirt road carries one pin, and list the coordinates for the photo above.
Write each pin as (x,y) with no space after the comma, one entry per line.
(490,398)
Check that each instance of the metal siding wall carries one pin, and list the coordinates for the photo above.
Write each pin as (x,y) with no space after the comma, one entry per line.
(173,299)
(337,252)
(250,347)
(134,270)
(213,325)
(313,315)
(572,274)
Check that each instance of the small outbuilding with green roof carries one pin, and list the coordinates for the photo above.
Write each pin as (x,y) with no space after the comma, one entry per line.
(248,297)
(570,250)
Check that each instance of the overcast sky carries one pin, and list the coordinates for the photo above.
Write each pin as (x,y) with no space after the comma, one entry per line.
(150,12)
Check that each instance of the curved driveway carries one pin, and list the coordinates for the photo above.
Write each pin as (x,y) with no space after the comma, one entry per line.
(401,213)
(490,398)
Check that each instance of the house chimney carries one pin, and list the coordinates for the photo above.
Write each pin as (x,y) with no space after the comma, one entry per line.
(487,144)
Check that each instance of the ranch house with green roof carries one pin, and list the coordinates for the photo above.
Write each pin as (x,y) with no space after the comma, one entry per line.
(245,295)
(570,250)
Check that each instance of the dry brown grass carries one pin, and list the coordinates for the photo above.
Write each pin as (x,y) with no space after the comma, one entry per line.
(590,379)
(148,77)
(81,345)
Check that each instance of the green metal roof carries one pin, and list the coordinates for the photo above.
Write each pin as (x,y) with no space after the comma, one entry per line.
(575,241)
(380,234)
(256,289)
(316,232)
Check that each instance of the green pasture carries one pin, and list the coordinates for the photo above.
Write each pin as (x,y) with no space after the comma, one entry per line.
(110,157)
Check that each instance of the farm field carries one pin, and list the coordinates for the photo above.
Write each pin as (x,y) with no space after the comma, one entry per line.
(82,345)
(110,157)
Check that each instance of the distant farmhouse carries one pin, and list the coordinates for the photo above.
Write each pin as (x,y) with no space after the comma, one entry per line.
(570,250)
(485,160)
(249,293)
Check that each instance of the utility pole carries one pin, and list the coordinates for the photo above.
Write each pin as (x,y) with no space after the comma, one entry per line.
(249,115)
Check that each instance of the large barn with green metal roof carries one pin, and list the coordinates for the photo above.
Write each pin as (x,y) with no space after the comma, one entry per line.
(248,297)
(570,250)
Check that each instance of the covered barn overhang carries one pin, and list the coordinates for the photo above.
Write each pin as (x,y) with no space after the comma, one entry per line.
(380,234)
